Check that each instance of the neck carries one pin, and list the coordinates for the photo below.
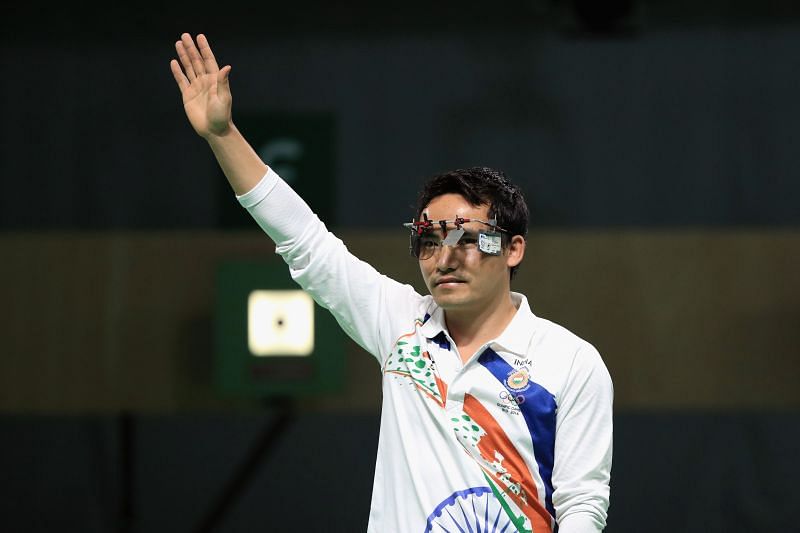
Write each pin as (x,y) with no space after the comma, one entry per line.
(473,328)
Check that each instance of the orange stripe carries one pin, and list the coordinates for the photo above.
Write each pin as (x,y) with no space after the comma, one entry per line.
(442,388)
(495,439)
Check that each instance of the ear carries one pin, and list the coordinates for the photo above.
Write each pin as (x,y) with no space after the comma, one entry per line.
(515,251)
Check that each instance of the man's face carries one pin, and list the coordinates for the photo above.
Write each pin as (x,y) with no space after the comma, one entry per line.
(462,277)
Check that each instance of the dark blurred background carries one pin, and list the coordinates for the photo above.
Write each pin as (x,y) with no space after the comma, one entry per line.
(656,143)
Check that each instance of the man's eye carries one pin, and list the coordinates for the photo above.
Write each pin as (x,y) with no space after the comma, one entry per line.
(425,243)
(468,239)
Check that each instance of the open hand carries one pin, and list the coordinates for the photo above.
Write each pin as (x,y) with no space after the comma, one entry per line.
(204,86)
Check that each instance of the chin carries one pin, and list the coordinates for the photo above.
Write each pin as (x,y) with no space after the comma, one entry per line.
(448,301)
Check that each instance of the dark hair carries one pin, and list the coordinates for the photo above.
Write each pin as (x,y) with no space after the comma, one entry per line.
(481,186)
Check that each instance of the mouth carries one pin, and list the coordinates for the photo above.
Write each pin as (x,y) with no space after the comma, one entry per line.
(448,282)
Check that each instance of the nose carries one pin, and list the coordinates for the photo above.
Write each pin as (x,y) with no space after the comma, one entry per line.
(446,261)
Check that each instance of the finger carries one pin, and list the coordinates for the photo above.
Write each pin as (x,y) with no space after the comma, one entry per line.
(208,56)
(179,76)
(185,60)
(194,55)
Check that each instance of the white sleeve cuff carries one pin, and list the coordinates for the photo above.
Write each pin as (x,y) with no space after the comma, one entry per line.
(277,208)
(260,191)
(580,523)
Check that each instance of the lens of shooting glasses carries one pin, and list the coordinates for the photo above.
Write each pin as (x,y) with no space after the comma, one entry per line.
(419,249)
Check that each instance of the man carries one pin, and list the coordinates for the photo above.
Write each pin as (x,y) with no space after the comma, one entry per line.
(493,419)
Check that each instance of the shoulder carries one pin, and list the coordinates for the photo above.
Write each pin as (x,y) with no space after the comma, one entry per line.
(555,335)
(563,350)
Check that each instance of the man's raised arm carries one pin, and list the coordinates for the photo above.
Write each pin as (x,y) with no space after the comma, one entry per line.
(207,101)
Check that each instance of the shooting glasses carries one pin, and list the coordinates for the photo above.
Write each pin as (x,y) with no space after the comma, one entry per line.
(424,242)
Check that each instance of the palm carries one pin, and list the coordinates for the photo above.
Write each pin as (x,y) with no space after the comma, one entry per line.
(208,110)
(203,85)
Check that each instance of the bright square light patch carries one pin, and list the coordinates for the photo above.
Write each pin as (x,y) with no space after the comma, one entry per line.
(280,323)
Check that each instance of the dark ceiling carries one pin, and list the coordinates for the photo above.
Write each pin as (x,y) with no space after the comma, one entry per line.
(146,21)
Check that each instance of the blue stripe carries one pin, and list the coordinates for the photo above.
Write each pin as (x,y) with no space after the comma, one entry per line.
(539,412)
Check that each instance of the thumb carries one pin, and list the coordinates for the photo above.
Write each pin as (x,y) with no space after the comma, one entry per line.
(222,77)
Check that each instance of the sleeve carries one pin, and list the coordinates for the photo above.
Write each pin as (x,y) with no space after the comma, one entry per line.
(583,446)
(369,306)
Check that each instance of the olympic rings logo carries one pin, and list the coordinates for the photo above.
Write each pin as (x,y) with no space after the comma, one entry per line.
(508,397)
